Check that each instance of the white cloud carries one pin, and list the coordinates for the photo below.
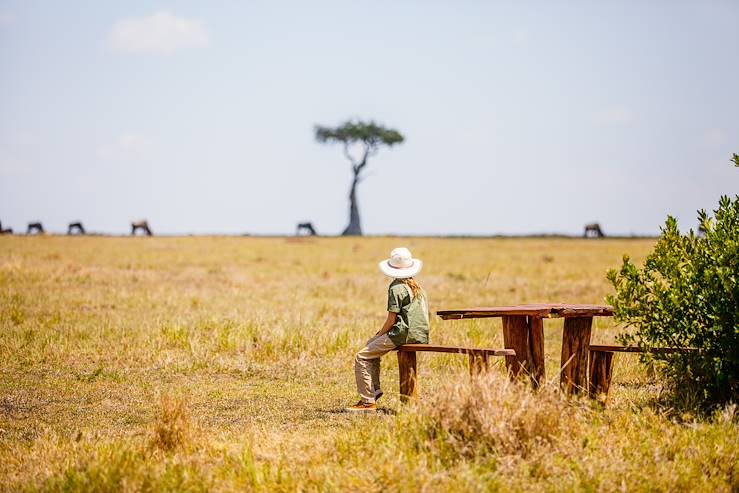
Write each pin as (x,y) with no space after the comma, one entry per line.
(132,142)
(521,37)
(162,33)
(12,167)
(127,145)
(6,18)
(713,137)
(617,115)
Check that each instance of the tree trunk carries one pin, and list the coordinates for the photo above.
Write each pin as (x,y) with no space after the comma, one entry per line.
(354,228)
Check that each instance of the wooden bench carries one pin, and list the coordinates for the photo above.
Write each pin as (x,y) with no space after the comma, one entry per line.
(409,370)
(601,366)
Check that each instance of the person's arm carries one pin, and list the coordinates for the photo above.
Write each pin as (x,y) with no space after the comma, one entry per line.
(389,322)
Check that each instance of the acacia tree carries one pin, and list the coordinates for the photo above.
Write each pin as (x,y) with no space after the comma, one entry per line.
(371,136)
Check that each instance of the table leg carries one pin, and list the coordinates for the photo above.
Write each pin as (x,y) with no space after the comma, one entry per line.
(536,356)
(575,347)
(525,335)
(516,337)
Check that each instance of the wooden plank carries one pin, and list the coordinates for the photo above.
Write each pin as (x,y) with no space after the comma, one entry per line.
(536,345)
(408,370)
(516,337)
(496,311)
(454,349)
(575,342)
(533,310)
(601,372)
(583,310)
(637,349)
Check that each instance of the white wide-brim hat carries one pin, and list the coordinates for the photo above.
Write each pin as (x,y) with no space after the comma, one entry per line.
(401,264)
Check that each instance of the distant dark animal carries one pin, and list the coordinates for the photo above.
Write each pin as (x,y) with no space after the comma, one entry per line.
(75,228)
(35,228)
(7,231)
(306,228)
(593,230)
(143,225)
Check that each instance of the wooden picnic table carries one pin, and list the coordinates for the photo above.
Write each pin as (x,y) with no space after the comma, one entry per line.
(523,331)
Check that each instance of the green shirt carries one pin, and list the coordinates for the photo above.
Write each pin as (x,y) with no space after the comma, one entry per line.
(412,324)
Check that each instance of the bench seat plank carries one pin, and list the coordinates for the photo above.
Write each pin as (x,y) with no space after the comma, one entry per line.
(637,349)
(454,349)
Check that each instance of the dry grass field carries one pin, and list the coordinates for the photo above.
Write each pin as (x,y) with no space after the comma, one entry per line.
(223,364)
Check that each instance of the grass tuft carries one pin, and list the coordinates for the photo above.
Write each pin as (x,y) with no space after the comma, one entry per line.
(173,429)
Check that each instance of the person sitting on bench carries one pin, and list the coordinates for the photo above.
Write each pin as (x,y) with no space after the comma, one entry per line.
(407,322)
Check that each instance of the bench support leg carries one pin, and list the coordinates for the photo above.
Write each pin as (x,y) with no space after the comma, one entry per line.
(601,371)
(408,375)
(575,342)
(478,364)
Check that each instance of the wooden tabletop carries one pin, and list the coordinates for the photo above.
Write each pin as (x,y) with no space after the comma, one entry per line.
(542,310)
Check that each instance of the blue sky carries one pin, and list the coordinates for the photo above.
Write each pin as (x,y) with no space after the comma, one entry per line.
(520,117)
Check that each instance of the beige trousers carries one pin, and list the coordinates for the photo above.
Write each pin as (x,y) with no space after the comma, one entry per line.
(367,366)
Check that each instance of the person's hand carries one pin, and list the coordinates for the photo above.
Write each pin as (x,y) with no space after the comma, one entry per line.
(391,318)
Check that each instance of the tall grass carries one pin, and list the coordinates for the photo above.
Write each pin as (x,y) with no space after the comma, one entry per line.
(496,416)
(223,364)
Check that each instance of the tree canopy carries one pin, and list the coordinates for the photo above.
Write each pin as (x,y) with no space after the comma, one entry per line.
(350,132)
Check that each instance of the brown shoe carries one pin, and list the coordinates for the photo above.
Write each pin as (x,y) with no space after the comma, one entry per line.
(362,407)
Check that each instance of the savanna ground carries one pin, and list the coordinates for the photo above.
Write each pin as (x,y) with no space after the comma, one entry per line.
(224,363)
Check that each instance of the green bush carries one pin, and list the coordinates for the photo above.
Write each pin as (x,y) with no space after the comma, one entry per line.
(687,295)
